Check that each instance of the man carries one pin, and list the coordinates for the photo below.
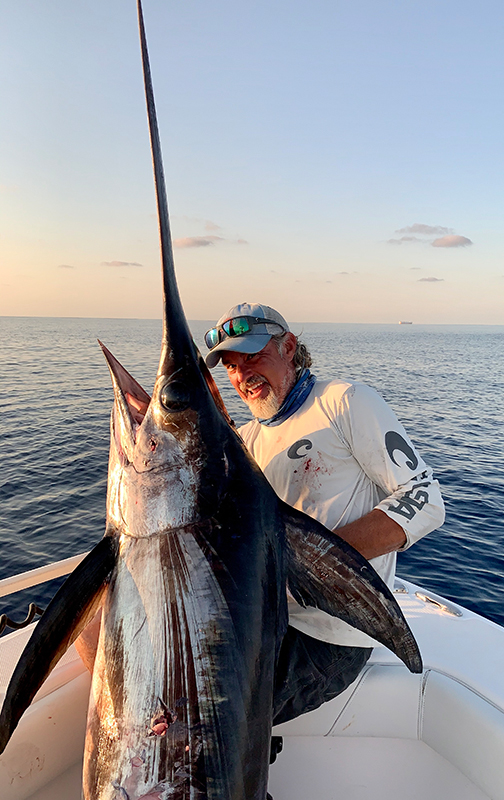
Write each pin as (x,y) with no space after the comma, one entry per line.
(336,451)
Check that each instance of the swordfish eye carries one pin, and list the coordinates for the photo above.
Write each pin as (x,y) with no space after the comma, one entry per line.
(175,396)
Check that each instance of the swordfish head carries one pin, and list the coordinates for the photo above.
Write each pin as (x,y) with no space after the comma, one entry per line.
(167,463)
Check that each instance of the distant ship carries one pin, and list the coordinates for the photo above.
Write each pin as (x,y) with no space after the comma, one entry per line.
(404,322)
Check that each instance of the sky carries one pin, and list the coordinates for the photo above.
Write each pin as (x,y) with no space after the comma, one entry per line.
(340,160)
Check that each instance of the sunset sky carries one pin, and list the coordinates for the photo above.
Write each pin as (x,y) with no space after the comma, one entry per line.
(341,160)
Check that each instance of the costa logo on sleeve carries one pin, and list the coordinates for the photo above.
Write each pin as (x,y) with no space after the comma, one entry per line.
(299,448)
(394,441)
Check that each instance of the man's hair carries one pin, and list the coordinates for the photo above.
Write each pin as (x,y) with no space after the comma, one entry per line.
(302,356)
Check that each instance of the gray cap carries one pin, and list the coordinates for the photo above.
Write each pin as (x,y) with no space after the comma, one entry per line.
(253,341)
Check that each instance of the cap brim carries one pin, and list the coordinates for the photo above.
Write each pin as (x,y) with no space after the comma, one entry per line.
(251,343)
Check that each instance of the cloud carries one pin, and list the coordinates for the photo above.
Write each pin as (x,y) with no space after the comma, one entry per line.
(452,241)
(342,273)
(404,239)
(448,238)
(204,241)
(65,266)
(430,280)
(426,230)
(211,226)
(197,241)
(120,264)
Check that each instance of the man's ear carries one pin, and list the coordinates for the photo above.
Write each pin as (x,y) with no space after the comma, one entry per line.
(290,344)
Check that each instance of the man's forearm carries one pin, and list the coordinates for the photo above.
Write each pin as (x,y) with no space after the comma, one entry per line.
(373,535)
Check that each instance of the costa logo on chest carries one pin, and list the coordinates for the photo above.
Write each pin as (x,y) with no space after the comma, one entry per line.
(299,449)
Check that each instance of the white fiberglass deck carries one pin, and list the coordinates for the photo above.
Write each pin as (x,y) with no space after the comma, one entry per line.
(313,768)
(390,736)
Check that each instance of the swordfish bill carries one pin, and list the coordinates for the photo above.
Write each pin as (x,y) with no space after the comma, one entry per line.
(191,577)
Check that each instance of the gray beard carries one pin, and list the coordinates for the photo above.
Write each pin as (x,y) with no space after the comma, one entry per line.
(267,407)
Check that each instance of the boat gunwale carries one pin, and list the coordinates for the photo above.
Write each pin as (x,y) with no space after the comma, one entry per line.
(34,577)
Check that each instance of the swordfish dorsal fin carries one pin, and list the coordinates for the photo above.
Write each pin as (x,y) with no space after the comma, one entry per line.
(178,350)
(326,572)
(66,616)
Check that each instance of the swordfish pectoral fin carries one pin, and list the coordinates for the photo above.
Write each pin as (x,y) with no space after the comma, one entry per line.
(70,610)
(326,572)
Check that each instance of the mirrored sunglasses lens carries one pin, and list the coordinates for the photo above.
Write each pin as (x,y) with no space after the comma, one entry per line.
(212,338)
(237,326)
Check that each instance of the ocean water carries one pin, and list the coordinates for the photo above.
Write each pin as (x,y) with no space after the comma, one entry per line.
(445,383)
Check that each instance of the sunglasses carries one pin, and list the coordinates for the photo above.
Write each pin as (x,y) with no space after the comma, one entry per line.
(236,326)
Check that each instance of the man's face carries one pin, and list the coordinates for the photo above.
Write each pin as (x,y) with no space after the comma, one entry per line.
(264,379)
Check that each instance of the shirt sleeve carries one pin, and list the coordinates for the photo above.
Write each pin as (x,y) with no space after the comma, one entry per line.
(381,446)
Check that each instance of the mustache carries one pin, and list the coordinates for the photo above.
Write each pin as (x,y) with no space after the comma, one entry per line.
(252,381)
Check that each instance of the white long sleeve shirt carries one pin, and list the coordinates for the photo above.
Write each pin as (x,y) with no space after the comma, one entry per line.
(342,454)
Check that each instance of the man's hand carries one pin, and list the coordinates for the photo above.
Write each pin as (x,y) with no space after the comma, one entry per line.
(373,535)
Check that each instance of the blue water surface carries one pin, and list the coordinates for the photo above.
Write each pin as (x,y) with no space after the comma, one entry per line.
(446,384)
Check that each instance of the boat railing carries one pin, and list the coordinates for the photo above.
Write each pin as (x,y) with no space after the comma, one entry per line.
(34,577)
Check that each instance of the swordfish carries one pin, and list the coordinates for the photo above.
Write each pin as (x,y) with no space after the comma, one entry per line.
(191,577)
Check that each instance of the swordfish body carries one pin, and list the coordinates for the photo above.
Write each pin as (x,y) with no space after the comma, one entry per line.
(195,608)
(191,577)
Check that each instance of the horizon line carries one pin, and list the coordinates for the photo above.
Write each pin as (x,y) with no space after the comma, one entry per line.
(294,322)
